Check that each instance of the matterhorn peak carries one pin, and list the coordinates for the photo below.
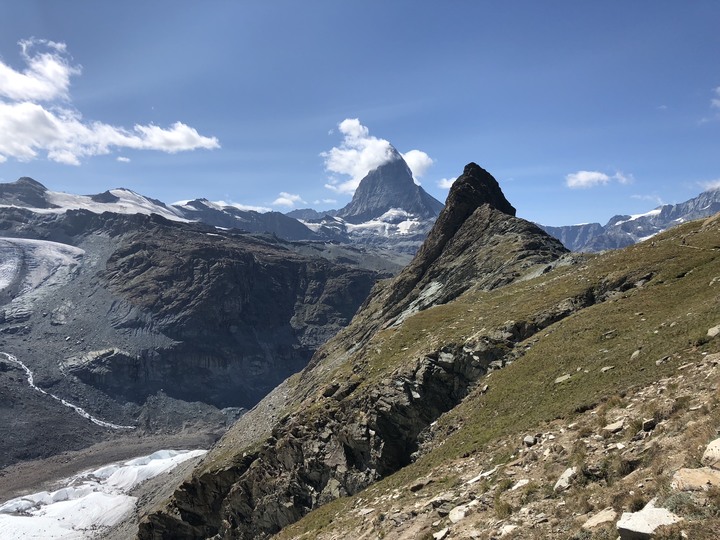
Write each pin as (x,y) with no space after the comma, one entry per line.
(389,186)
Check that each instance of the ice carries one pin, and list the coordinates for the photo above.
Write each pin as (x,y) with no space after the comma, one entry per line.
(91,501)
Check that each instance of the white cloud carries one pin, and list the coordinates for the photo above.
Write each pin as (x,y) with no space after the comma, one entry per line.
(28,128)
(589,179)
(359,153)
(586,179)
(123,159)
(624,178)
(325,201)
(446,183)
(288,199)
(46,77)
(652,198)
(418,161)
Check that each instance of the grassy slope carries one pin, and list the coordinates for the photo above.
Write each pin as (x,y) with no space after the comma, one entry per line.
(667,316)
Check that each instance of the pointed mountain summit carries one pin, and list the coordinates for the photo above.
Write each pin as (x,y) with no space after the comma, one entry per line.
(386,187)
(476,240)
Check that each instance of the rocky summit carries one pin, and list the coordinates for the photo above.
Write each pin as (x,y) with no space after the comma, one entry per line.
(544,395)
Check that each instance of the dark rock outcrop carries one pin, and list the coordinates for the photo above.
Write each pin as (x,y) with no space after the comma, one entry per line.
(476,240)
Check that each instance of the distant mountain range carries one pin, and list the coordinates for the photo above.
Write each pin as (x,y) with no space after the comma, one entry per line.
(388,211)
(624,230)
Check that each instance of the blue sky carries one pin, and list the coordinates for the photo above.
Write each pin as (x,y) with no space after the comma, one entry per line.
(581,110)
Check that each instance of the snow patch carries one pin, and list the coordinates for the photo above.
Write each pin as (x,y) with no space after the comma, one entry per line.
(128,202)
(90,501)
(633,217)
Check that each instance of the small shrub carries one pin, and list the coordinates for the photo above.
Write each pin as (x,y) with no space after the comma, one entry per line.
(504,485)
(502,509)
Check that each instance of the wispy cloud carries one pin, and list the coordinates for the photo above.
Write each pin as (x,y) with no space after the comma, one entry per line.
(715,101)
(590,179)
(446,183)
(710,185)
(325,201)
(123,159)
(359,153)
(656,199)
(36,115)
(288,199)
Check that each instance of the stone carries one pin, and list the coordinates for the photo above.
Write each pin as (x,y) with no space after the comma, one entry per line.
(607,368)
(641,525)
(530,440)
(635,355)
(441,534)
(482,475)
(565,479)
(648,424)
(562,379)
(714,331)
(457,514)
(602,517)
(507,529)
(711,456)
(520,483)
(695,479)
(419,484)
(615,426)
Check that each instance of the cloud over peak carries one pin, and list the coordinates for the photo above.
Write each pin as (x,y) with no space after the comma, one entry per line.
(589,179)
(288,199)
(36,115)
(359,153)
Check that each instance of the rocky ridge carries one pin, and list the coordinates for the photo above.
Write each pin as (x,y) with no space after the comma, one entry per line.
(369,436)
(349,434)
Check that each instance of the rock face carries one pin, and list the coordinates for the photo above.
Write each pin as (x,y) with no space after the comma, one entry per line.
(351,432)
(389,186)
(129,307)
(476,241)
(24,192)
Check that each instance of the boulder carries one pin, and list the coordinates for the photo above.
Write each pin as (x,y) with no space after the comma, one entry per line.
(695,479)
(602,517)
(641,525)
(565,479)
(529,440)
(714,331)
(615,426)
(711,456)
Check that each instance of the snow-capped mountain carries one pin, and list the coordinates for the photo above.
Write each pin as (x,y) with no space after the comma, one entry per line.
(389,186)
(625,230)
(388,208)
